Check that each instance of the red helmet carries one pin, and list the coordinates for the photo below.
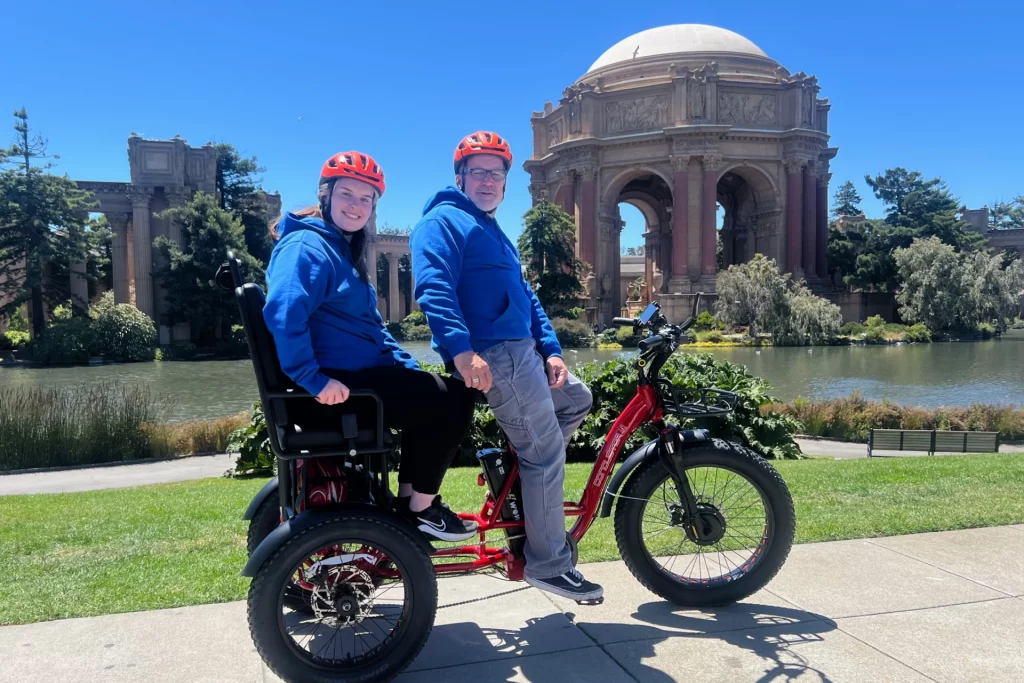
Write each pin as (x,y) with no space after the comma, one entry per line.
(353,165)
(483,142)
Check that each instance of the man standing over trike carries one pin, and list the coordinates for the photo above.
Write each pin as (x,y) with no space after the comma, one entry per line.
(491,330)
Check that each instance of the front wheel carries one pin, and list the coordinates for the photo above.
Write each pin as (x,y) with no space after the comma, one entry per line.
(745,513)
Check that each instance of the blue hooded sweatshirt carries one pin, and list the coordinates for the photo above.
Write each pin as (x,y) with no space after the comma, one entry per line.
(321,314)
(469,281)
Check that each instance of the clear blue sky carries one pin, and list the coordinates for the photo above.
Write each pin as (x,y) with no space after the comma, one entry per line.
(932,86)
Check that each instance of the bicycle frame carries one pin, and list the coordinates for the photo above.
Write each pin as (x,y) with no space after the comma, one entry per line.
(644,407)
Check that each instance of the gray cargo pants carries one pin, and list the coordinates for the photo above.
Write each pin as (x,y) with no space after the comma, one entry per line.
(538,422)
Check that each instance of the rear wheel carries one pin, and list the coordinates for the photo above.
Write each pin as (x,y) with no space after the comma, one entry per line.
(266,519)
(745,514)
(373,601)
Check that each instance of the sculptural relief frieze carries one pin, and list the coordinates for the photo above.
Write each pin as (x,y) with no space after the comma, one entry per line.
(738,108)
(636,115)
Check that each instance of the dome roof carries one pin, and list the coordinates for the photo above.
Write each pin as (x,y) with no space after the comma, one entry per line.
(677,39)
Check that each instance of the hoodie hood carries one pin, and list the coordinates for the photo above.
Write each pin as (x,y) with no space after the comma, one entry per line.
(453,196)
(292,223)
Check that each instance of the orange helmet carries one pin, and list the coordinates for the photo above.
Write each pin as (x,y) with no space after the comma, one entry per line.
(353,165)
(483,142)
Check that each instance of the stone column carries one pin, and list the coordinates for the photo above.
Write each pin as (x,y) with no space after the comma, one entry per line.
(648,266)
(119,255)
(708,201)
(177,197)
(810,251)
(569,195)
(394,296)
(143,243)
(822,206)
(794,215)
(680,218)
(588,222)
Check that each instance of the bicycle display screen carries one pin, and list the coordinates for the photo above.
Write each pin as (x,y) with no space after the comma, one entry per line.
(648,313)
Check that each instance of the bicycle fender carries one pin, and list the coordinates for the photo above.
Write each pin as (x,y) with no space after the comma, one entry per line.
(268,489)
(310,518)
(649,450)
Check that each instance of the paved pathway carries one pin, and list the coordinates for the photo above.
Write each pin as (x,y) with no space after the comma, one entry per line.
(946,607)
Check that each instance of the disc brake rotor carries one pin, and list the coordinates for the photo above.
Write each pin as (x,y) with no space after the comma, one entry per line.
(342,595)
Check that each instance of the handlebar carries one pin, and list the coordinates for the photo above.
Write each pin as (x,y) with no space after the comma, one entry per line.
(624,322)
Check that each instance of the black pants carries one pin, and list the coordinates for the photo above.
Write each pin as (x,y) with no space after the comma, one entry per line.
(432,412)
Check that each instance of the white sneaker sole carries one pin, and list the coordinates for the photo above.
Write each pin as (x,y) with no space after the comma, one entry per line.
(430,531)
(569,595)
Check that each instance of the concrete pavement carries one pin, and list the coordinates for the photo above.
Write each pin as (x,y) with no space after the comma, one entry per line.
(946,607)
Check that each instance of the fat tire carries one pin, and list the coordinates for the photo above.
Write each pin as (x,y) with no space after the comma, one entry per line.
(756,470)
(266,519)
(265,589)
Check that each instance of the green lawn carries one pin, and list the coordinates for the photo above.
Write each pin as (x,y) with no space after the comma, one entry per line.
(101,552)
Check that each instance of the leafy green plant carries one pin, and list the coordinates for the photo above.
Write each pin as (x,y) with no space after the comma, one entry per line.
(252,443)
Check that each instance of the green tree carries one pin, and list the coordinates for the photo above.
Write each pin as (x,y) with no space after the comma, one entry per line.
(241,194)
(946,289)
(1007,215)
(893,187)
(546,246)
(208,232)
(846,201)
(757,294)
(42,222)
(754,294)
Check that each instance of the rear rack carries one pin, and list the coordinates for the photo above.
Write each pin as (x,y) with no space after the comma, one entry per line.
(697,402)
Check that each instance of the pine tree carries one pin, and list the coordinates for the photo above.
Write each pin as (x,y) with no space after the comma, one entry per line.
(42,224)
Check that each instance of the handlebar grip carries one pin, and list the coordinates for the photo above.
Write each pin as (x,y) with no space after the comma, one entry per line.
(624,322)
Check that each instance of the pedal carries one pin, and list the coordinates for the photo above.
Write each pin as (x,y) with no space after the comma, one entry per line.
(594,601)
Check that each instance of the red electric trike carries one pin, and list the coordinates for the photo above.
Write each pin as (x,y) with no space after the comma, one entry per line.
(343,589)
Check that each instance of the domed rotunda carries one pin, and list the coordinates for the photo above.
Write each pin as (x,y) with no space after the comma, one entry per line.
(677,121)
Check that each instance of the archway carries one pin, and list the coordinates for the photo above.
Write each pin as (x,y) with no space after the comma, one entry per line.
(747,210)
(647,193)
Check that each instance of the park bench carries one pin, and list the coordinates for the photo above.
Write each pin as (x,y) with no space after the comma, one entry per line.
(932,440)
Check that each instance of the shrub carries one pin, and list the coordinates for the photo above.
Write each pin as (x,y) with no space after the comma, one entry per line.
(252,443)
(852,417)
(395,330)
(875,335)
(66,340)
(706,321)
(987,330)
(573,333)
(876,321)
(122,332)
(627,337)
(710,336)
(414,327)
(852,329)
(918,333)
(179,351)
(12,340)
(417,333)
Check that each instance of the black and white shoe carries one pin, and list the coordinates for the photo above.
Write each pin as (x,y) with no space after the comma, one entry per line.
(438,521)
(570,585)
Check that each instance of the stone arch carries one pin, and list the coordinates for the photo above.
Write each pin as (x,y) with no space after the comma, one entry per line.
(613,187)
(749,195)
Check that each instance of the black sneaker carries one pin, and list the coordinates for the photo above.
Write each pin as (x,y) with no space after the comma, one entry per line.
(438,521)
(570,585)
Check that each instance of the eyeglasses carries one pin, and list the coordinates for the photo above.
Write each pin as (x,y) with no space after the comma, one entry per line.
(481,173)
